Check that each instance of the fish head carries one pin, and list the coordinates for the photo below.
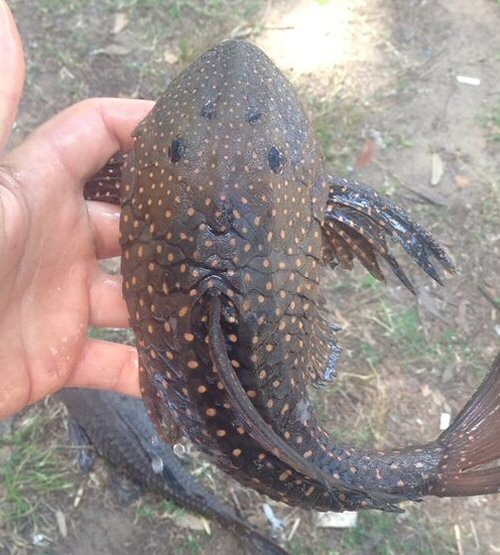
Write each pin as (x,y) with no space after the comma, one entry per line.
(229,146)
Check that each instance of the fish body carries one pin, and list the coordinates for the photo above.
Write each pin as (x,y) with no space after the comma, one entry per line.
(228,217)
(118,427)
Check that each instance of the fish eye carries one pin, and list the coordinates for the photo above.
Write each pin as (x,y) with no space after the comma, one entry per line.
(176,150)
(276,159)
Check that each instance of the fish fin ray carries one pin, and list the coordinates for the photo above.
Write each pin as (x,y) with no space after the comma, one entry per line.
(471,442)
(354,211)
(159,413)
(336,251)
(86,455)
(105,185)
(324,351)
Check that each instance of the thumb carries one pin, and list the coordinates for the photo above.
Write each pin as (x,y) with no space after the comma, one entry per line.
(11,72)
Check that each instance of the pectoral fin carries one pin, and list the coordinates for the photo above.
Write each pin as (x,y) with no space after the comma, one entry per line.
(86,455)
(357,223)
(156,404)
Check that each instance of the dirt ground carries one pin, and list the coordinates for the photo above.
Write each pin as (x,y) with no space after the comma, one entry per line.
(379,80)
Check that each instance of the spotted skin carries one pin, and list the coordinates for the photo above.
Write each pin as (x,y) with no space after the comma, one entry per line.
(106,185)
(227,219)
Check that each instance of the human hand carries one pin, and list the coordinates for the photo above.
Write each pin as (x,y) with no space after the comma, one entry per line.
(50,241)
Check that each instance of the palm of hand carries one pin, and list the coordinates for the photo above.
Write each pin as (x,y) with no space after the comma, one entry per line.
(49,260)
(50,241)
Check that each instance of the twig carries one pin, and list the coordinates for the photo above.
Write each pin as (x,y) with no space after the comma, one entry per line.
(494,301)
(293,530)
(458,538)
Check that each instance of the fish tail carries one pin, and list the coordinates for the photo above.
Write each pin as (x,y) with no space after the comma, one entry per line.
(358,221)
(470,464)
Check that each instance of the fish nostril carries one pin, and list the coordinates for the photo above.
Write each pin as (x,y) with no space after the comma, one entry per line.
(176,150)
(208,110)
(223,221)
(276,159)
(253,115)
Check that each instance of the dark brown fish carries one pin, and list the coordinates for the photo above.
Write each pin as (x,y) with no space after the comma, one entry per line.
(227,218)
(119,429)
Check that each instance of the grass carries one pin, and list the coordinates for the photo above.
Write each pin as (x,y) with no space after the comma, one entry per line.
(375,534)
(117,335)
(337,121)
(370,353)
(191,543)
(367,283)
(32,475)
(154,511)
(215,8)
(150,509)
(61,7)
(403,327)
(490,122)
(378,533)
(490,207)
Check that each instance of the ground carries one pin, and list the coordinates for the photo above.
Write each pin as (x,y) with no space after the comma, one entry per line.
(379,80)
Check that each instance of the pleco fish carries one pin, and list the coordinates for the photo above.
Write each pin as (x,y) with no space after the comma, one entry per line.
(119,429)
(228,217)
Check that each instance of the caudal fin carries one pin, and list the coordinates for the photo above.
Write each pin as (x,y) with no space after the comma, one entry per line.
(471,461)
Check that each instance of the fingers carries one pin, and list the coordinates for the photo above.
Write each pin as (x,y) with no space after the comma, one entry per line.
(73,145)
(105,365)
(12,64)
(107,307)
(105,222)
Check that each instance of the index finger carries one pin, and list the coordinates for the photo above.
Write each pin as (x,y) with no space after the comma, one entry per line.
(73,145)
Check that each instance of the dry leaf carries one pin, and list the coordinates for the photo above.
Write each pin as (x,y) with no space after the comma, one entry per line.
(61,523)
(466,80)
(425,390)
(116,50)
(430,303)
(121,21)
(367,154)
(438,398)
(462,181)
(437,169)
(347,519)
(192,522)
(78,497)
(461,318)
(170,56)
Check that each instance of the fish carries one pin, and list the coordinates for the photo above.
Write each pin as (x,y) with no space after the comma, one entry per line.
(119,429)
(228,220)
